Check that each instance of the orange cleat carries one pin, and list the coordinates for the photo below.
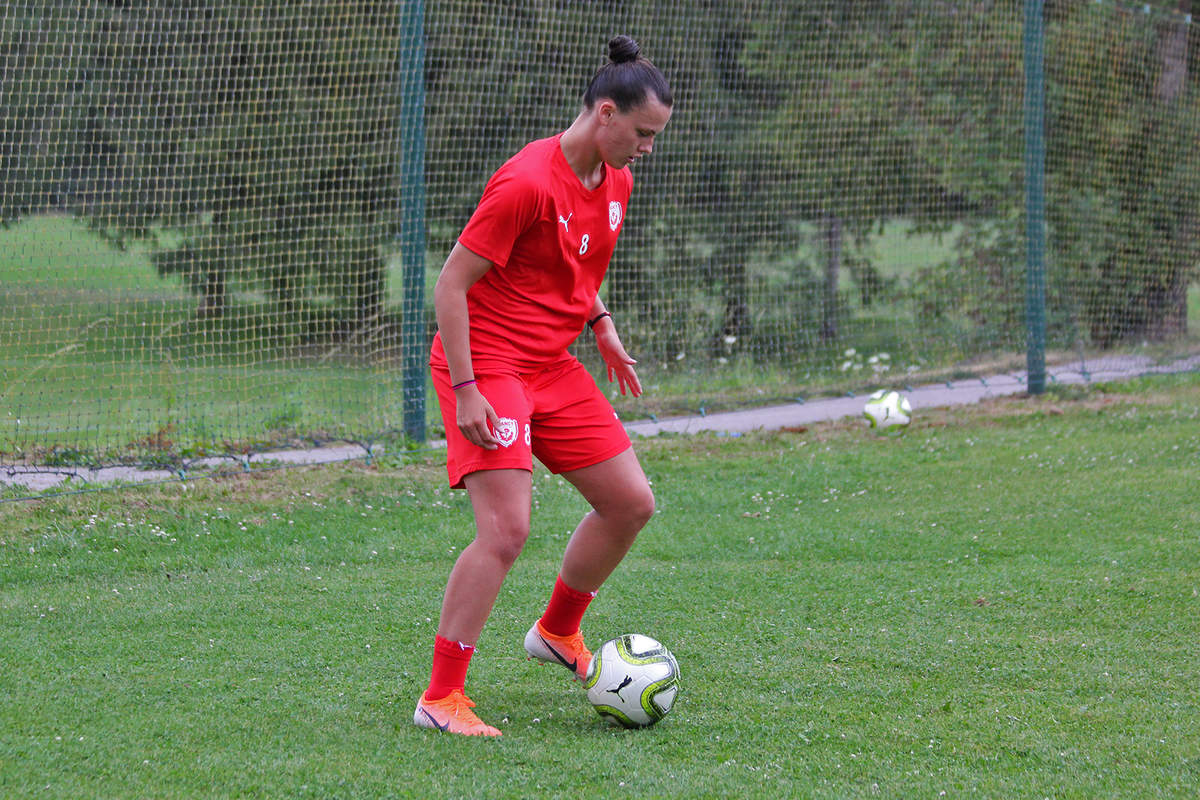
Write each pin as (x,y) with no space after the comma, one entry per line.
(569,651)
(452,714)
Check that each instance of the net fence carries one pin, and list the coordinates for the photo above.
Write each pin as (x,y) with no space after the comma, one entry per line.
(222,220)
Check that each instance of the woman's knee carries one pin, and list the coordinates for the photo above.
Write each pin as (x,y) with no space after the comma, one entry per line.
(501,502)
(503,537)
(633,508)
(641,506)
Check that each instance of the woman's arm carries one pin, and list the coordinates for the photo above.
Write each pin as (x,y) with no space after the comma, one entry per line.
(460,272)
(619,363)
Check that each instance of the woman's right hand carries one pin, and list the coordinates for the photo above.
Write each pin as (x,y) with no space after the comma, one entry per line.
(475,417)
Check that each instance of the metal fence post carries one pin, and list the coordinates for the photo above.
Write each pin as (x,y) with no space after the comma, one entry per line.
(412,223)
(1035,196)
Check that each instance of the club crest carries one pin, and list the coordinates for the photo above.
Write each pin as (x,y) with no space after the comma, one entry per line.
(506,431)
(614,215)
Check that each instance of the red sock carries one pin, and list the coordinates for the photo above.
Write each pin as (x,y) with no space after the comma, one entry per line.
(450,662)
(565,610)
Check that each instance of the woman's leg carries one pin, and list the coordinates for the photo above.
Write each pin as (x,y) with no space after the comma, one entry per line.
(622,503)
(501,501)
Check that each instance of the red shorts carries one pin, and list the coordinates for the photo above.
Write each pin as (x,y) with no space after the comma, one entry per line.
(557,414)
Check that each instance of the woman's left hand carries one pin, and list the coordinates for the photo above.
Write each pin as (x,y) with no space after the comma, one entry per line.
(619,363)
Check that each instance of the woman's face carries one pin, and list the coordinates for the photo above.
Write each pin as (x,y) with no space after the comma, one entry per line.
(626,136)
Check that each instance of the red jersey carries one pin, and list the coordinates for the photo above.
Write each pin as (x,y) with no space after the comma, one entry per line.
(549,240)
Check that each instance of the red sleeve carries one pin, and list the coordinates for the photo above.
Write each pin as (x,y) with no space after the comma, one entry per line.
(510,205)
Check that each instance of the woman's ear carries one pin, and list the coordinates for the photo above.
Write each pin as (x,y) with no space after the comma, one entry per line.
(605,110)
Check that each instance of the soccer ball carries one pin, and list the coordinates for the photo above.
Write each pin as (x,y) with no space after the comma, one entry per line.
(888,411)
(633,680)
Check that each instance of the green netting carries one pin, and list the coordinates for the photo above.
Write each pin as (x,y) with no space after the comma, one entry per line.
(206,205)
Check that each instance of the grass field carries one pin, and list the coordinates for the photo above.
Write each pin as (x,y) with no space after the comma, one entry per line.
(102,356)
(1003,603)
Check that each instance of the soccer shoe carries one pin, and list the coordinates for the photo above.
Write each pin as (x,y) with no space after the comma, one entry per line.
(452,714)
(569,651)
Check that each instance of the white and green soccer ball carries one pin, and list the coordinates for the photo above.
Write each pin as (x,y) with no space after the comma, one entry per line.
(633,680)
(888,412)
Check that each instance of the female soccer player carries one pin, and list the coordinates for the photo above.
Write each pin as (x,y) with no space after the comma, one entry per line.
(518,287)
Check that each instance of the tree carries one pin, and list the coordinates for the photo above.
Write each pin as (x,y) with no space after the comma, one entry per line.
(1123,166)
(868,104)
(262,136)
(37,85)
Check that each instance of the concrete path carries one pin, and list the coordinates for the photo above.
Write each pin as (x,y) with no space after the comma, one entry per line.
(953,393)
(41,479)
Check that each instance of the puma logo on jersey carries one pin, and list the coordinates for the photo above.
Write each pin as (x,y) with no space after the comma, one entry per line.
(565,222)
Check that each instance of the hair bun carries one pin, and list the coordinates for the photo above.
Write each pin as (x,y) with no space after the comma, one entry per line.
(623,48)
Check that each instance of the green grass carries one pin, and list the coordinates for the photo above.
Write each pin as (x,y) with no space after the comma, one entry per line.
(898,251)
(104,355)
(1002,603)
(61,254)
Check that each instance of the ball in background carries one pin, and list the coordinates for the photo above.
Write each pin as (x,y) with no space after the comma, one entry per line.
(888,412)
(633,680)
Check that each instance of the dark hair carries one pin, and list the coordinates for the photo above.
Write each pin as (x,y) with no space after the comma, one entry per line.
(627,78)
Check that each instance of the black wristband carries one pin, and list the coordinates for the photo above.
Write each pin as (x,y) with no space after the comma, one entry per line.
(592,322)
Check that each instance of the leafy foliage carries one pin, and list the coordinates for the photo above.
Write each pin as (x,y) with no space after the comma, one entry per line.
(257,144)
(253,131)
